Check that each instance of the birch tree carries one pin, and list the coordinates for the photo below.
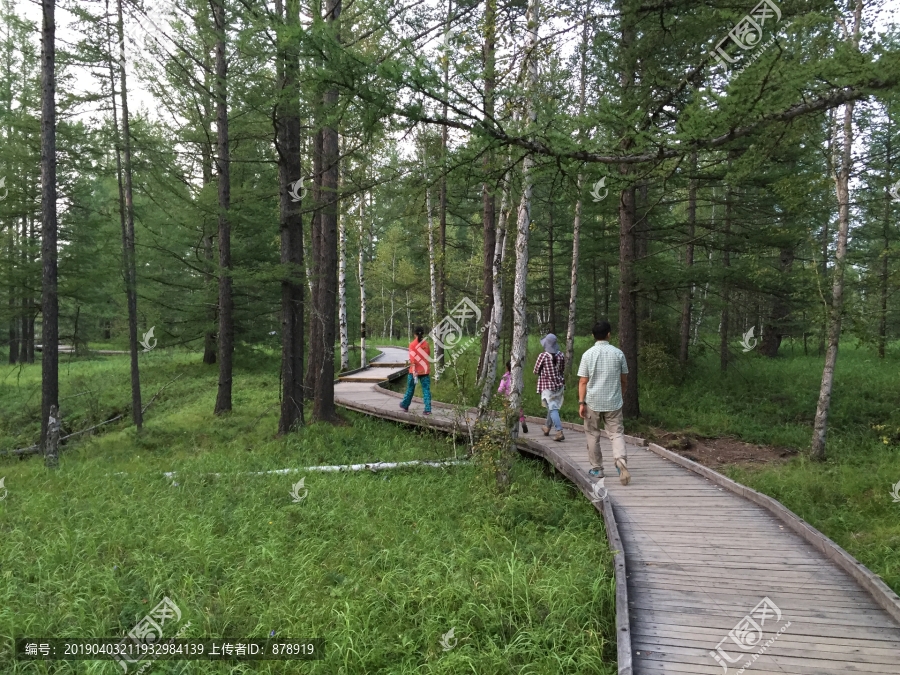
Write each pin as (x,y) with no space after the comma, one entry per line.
(841,176)
(363,246)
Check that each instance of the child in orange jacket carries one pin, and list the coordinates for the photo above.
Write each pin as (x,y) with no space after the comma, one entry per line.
(419,357)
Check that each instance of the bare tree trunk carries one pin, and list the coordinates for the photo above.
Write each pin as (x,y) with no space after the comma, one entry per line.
(885,274)
(487,194)
(13,323)
(226,318)
(442,207)
(127,192)
(842,189)
(773,331)
(496,318)
(628,325)
(551,267)
(726,281)
(687,301)
(287,146)
(323,401)
(316,346)
(49,289)
(342,292)
(520,307)
(362,282)
(210,339)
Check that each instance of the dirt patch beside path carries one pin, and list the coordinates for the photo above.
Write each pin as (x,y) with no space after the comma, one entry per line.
(719,452)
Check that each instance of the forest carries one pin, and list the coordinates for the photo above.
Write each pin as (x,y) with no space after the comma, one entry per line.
(210,210)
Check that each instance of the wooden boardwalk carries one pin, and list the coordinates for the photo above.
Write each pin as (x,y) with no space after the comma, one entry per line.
(711,567)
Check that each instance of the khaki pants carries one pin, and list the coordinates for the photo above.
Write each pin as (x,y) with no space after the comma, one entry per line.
(615,427)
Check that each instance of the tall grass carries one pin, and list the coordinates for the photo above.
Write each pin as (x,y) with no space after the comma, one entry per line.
(379,565)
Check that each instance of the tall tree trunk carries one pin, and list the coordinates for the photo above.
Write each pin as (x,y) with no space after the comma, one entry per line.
(126,191)
(842,189)
(573,294)
(520,307)
(551,266)
(363,239)
(431,259)
(726,279)
(628,328)
(774,329)
(287,145)
(885,274)
(442,207)
(496,318)
(687,301)
(323,401)
(49,292)
(487,194)
(316,346)
(210,343)
(226,318)
(13,312)
(342,292)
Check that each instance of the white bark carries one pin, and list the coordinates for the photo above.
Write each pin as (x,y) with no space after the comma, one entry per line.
(363,244)
(576,226)
(842,190)
(496,321)
(573,297)
(520,319)
(342,292)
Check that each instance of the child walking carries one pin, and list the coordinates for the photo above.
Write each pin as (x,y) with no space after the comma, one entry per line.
(419,353)
(505,388)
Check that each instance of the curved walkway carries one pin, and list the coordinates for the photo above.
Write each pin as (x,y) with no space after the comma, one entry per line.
(720,579)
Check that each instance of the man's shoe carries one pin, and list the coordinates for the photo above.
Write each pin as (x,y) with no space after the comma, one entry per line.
(624,476)
(596,472)
(546,430)
(559,436)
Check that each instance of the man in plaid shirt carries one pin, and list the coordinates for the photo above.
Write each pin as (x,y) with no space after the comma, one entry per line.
(601,385)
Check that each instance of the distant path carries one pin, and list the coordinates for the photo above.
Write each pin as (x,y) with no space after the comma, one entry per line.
(700,558)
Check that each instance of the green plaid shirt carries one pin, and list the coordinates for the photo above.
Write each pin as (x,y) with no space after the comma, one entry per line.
(602,364)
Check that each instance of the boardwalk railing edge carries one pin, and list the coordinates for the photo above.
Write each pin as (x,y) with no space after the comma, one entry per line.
(570,471)
(879,590)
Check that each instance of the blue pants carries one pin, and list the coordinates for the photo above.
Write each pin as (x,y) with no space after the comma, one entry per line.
(425,381)
(553,419)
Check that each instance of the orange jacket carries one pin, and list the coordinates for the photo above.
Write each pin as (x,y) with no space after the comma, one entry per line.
(418,353)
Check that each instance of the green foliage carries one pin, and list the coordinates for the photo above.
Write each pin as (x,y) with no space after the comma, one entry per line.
(379,565)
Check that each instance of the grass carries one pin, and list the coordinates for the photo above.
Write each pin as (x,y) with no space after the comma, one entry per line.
(771,402)
(379,565)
